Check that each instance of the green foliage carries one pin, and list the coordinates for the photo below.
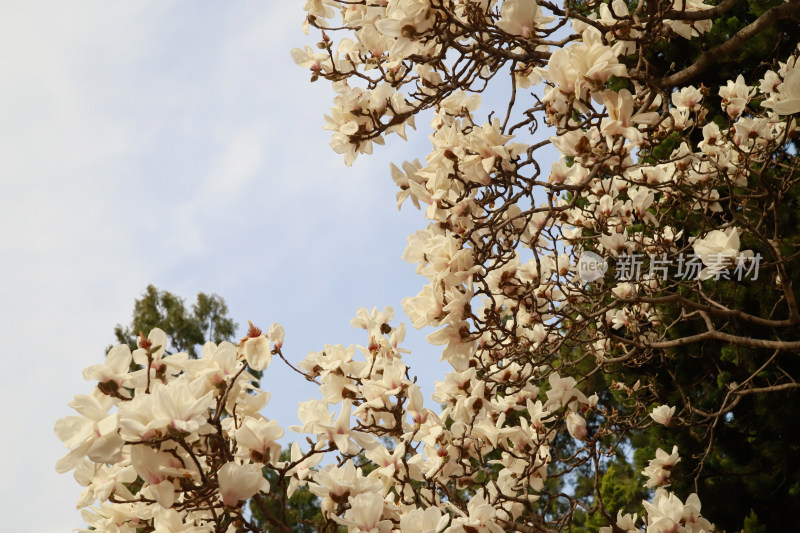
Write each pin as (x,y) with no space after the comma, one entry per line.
(616,83)
(186,330)
(301,511)
(620,490)
(663,151)
(751,524)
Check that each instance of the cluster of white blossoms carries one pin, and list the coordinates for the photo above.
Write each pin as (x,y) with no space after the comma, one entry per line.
(172,444)
(167,443)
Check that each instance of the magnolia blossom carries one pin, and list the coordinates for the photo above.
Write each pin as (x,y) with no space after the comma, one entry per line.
(151,353)
(735,96)
(238,482)
(625,522)
(719,248)
(334,484)
(181,405)
(562,391)
(218,364)
(574,69)
(521,17)
(307,58)
(576,425)
(277,334)
(157,469)
(430,520)
(689,29)
(364,515)
(256,348)
(786,101)
(171,521)
(112,376)
(668,513)
(93,434)
(659,468)
(102,480)
(663,414)
(303,469)
(257,439)
(621,117)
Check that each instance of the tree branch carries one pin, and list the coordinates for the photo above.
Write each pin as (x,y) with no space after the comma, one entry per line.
(704,14)
(788,10)
(524,528)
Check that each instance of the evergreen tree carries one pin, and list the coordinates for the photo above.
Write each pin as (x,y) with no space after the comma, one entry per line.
(744,473)
(186,329)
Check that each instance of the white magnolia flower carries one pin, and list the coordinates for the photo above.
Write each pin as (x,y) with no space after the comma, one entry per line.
(112,375)
(160,366)
(430,520)
(625,522)
(171,521)
(277,334)
(663,414)
(687,98)
(257,439)
(786,101)
(576,425)
(659,468)
(584,66)
(93,434)
(256,349)
(718,250)
(481,517)
(302,470)
(689,29)
(238,482)
(522,17)
(334,484)
(364,515)
(562,391)
(664,513)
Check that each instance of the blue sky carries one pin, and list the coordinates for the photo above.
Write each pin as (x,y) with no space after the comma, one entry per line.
(173,143)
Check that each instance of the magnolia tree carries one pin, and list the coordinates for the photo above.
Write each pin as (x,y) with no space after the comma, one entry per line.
(563,295)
